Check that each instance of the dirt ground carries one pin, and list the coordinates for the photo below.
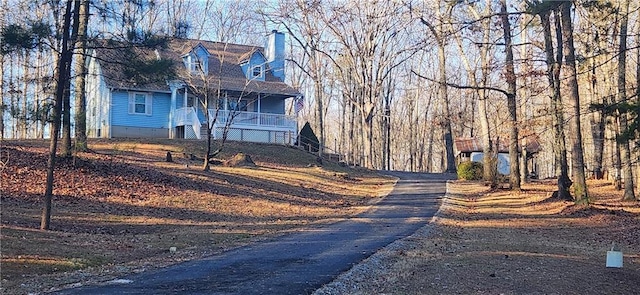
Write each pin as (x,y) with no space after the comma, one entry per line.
(500,242)
(120,208)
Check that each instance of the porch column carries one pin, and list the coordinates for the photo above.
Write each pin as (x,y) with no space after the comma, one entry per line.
(259,108)
(174,86)
(184,103)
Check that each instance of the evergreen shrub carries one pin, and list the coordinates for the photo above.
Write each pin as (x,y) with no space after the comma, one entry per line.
(470,170)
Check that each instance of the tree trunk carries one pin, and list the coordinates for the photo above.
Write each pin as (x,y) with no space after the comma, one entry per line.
(597,119)
(564,182)
(514,173)
(318,91)
(343,132)
(24,114)
(489,174)
(429,161)
(206,165)
(625,151)
(66,100)
(597,132)
(3,10)
(352,139)
(448,137)
(80,94)
(2,105)
(66,123)
(368,142)
(553,75)
(526,113)
(387,136)
(637,101)
(581,194)
(62,73)
(450,164)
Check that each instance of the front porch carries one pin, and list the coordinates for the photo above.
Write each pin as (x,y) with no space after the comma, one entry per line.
(238,125)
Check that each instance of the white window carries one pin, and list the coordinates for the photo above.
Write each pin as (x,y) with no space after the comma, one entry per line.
(256,72)
(140,103)
(237,105)
(188,64)
(197,61)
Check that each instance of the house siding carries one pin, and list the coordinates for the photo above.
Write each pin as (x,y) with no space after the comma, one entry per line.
(503,161)
(98,102)
(159,118)
(272,105)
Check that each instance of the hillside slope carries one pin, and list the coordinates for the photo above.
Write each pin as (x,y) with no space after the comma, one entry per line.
(121,207)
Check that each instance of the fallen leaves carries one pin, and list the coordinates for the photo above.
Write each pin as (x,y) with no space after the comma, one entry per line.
(501,242)
(128,206)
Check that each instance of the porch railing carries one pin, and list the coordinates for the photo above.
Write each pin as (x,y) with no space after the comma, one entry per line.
(188,116)
(253,119)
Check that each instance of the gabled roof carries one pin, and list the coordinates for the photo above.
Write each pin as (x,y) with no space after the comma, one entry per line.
(224,67)
(194,48)
(247,56)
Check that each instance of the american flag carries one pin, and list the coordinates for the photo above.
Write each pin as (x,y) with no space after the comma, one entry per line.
(299,104)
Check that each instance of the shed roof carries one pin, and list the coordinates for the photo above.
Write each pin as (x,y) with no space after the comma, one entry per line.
(473,144)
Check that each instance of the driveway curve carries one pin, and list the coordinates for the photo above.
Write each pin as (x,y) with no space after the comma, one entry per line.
(301,262)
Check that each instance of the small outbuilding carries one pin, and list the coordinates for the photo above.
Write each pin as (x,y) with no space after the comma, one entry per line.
(471,149)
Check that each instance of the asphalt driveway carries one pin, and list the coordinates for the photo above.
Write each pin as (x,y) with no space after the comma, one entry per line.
(301,262)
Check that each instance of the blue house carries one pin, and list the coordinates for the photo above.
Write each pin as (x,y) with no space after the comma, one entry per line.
(240,89)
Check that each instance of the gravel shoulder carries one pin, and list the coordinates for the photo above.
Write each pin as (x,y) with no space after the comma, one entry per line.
(502,242)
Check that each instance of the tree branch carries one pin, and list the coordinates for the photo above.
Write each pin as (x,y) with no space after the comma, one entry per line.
(461,86)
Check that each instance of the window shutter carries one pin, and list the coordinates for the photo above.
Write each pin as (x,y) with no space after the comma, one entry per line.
(132,103)
(148,100)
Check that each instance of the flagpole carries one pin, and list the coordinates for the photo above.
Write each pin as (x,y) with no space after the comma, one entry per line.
(297,110)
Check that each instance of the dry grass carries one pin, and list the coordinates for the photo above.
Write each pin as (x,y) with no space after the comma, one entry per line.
(500,242)
(119,208)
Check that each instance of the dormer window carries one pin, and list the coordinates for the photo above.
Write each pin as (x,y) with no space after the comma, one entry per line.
(257,72)
(198,66)
(188,63)
(197,61)
(253,65)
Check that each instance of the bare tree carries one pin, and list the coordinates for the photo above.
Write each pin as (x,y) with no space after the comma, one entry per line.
(625,151)
(207,86)
(514,175)
(489,153)
(599,80)
(62,76)
(177,21)
(439,34)
(232,21)
(303,24)
(3,10)
(553,75)
(581,195)
(80,68)
(66,99)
